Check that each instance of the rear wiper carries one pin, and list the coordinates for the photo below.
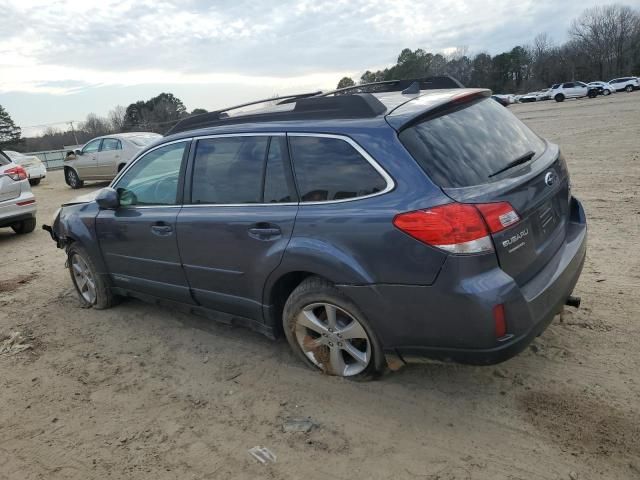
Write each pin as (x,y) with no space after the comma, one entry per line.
(518,161)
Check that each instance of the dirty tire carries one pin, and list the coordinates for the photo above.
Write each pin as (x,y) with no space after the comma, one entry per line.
(25,226)
(316,290)
(34,181)
(103,297)
(559,98)
(72,179)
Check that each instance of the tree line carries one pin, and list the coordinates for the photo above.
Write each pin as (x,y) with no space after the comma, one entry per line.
(604,42)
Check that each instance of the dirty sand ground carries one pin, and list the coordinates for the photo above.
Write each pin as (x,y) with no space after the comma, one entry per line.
(142,392)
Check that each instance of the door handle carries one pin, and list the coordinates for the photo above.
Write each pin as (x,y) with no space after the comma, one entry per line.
(264,231)
(161,230)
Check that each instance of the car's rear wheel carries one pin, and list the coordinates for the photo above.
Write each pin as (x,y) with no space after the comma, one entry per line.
(91,287)
(329,333)
(629,88)
(72,179)
(559,98)
(34,181)
(606,92)
(24,226)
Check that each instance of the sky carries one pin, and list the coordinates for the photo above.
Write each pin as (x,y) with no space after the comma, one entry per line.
(60,60)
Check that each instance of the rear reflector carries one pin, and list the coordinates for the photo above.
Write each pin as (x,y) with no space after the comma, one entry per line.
(458,227)
(501,323)
(26,202)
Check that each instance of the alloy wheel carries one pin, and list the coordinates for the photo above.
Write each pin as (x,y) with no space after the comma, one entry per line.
(84,279)
(333,339)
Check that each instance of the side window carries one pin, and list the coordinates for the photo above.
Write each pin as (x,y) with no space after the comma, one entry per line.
(153,179)
(567,85)
(331,169)
(229,170)
(276,187)
(110,144)
(92,146)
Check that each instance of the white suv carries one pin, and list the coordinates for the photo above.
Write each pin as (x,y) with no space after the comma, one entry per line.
(625,83)
(17,203)
(560,91)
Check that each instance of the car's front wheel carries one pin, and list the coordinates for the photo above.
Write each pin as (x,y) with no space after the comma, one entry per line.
(24,226)
(559,98)
(606,92)
(629,88)
(91,287)
(72,178)
(329,333)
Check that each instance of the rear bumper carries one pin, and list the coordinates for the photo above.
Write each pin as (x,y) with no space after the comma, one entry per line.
(453,320)
(37,172)
(11,212)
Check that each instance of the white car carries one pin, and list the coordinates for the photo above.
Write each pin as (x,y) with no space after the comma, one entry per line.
(628,84)
(17,203)
(103,157)
(604,87)
(561,91)
(32,164)
(534,97)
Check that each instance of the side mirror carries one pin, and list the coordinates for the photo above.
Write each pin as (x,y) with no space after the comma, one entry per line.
(77,151)
(107,199)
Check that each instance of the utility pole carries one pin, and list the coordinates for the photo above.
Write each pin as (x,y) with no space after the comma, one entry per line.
(75,139)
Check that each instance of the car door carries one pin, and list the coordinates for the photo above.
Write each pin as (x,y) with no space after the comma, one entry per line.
(86,164)
(108,157)
(581,89)
(238,220)
(138,239)
(568,90)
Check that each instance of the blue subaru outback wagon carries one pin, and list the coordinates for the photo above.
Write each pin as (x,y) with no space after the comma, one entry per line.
(368,225)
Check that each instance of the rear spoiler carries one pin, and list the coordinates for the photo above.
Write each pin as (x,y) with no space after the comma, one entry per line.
(432,105)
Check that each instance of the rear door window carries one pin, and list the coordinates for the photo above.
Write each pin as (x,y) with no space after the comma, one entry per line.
(468,145)
(229,170)
(110,144)
(329,168)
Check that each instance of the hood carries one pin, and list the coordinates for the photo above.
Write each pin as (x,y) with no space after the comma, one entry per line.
(86,198)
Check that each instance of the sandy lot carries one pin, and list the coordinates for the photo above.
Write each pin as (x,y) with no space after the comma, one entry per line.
(139,391)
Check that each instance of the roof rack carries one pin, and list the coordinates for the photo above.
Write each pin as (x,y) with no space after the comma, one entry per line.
(424,83)
(307,106)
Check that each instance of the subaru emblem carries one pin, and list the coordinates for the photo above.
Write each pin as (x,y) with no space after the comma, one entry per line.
(550,178)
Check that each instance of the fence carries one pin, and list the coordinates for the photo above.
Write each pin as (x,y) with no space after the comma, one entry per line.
(53,159)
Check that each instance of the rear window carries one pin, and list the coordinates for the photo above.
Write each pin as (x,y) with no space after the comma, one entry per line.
(4,160)
(329,169)
(466,146)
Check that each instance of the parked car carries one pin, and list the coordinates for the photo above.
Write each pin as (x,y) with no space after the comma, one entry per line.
(561,91)
(17,203)
(364,227)
(103,157)
(501,99)
(534,97)
(627,84)
(32,164)
(604,88)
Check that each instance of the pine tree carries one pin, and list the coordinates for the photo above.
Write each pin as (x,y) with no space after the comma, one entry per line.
(9,132)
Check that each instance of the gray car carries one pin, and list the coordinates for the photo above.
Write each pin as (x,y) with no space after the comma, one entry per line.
(17,203)
(103,157)
(367,227)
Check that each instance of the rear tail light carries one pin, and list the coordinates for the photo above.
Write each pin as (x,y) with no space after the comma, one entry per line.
(16,173)
(458,227)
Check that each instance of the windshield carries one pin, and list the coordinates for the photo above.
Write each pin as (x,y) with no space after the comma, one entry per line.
(467,146)
(143,140)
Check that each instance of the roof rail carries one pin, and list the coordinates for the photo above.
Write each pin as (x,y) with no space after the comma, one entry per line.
(307,106)
(425,83)
(195,121)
